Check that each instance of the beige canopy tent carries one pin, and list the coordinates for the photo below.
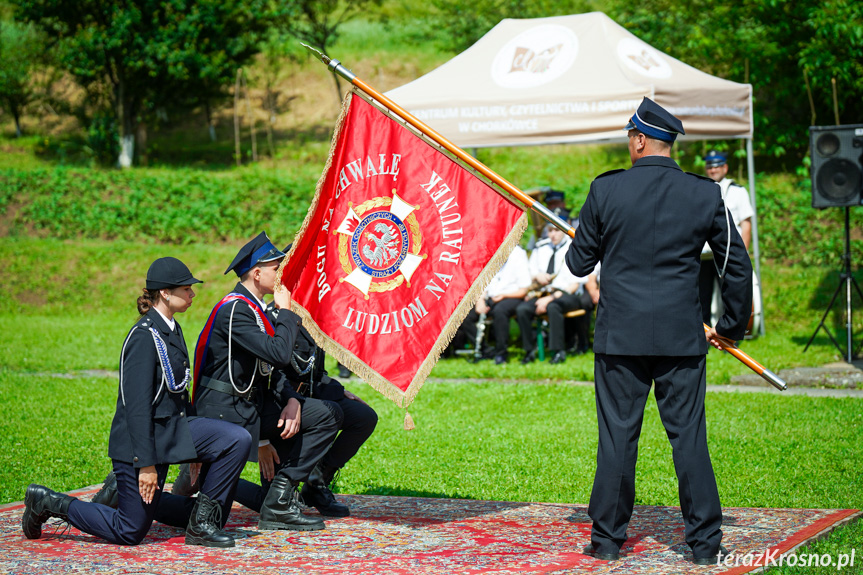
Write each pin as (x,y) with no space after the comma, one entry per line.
(571,79)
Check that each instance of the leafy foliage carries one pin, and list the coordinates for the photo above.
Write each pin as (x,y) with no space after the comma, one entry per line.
(176,206)
(150,54)
(772,44)
(21,49)
(317,22)
(465,24)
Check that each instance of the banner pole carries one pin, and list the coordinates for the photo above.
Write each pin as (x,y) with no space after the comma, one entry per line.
(336,67)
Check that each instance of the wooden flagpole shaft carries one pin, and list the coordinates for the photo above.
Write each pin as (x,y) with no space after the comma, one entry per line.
(336,67)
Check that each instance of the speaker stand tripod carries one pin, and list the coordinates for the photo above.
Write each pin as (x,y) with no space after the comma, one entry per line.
(846,280)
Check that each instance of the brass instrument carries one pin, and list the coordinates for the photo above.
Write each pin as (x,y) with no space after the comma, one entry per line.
(536,291)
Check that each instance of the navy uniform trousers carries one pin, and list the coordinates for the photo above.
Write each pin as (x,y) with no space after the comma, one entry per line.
(622,386)
(222,447)
(299,456)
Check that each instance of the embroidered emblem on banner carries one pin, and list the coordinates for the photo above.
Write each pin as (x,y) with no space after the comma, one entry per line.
(379,247)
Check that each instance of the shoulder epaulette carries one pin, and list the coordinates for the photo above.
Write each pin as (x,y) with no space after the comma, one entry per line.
(609,172)
(702,177)
(542,242)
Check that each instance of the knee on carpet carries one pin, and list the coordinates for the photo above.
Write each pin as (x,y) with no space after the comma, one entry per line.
(132,537)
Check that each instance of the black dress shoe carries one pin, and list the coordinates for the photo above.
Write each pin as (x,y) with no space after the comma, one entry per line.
(530,357)
(580,350)
(559,357)
(601,556)
(344,372)
(712,559)
(500,358)
(183,485)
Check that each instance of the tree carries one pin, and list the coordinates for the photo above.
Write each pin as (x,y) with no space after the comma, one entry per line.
(317,22)
(772,44)
(151,53)
(21,48)
(834,49)
(465,23)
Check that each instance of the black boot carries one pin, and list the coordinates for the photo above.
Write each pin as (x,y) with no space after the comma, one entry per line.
(183,485)
(203,528)
(281,509)
(316,492)
(40,504)
(108,494)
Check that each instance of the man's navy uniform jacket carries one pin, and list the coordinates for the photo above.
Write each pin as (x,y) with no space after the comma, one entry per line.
(215,397)
(647,225)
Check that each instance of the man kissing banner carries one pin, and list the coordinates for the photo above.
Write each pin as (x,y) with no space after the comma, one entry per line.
(398,244)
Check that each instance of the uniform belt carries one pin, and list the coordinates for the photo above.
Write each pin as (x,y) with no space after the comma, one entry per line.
(225,387)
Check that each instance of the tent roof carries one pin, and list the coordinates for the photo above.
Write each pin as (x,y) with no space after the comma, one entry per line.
(567,79)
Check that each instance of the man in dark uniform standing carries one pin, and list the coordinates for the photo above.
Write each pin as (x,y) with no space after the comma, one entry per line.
(238,360)
(647,225)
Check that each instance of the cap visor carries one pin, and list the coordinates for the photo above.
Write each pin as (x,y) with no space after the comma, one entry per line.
(271,256)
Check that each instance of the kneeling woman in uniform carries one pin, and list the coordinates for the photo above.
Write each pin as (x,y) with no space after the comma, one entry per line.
(152,428)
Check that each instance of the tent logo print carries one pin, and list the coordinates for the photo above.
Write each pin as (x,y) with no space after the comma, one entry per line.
(537,56)
(641,58)
(526,60)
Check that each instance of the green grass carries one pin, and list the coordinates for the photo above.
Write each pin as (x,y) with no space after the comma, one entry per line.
(483,431)
(488,440)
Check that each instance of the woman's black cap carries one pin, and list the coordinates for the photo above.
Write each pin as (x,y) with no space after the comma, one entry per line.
(169,272)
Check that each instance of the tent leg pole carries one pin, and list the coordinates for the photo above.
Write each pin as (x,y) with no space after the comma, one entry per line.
(750,169)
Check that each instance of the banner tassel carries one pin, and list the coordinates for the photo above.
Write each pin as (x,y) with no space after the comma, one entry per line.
(409,421)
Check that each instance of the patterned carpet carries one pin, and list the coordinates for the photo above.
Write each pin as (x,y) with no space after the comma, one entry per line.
(416,536)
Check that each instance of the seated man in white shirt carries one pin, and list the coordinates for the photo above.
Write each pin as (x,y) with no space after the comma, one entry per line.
(557,292)
(499,301)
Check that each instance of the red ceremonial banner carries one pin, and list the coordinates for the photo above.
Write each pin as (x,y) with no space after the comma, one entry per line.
(399,242)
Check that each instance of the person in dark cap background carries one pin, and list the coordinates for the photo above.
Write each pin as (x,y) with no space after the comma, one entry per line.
(239,358)
(553,200)
(737,201)
(556,292)
(647,226)
(154,374)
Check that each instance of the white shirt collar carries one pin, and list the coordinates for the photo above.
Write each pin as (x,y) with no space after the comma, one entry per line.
(260,301)
(170,322)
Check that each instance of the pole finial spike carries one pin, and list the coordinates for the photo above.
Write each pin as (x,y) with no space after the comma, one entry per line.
(323,57)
